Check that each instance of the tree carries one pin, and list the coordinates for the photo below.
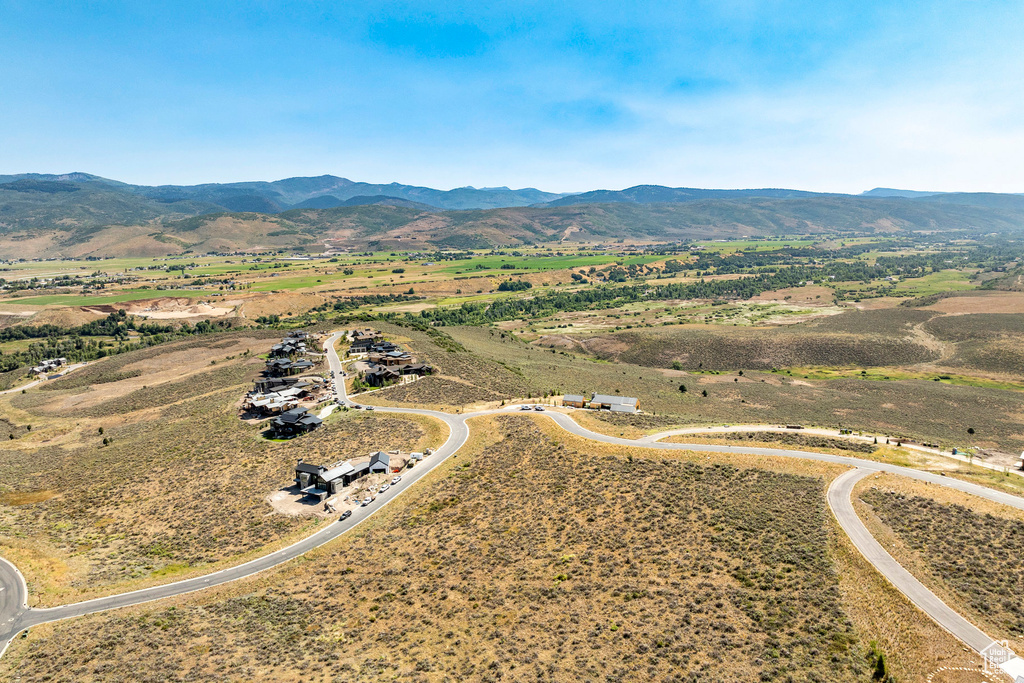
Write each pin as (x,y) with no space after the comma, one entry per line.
(704,393)
(682,388)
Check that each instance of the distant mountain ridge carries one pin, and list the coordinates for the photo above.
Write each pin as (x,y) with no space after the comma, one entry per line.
(659,194)
(281,195)
(69,213)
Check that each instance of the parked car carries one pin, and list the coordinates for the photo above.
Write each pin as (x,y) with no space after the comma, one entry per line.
(395,479)
(357,406)
(524,407)
(369,407)
(385,487)
(539,409)
(367,501)
(345,515)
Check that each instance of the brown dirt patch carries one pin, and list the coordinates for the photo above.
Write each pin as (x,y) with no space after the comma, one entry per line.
(1004,302)
(25,497)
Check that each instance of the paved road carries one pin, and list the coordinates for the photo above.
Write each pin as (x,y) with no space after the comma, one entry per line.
(840,500)
(15,616)
(829,433)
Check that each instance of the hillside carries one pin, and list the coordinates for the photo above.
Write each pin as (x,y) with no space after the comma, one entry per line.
(78,215)
(70,192)
(381,226)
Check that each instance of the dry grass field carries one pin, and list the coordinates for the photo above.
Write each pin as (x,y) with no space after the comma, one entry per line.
(701,348)
(180,485)
(968,551)
(532,556)
(910,409)
(777,439)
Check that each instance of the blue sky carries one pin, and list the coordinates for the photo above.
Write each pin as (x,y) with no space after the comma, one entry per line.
(839,96)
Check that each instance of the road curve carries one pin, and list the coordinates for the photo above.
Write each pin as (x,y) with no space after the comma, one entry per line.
(840,499)
(15,616)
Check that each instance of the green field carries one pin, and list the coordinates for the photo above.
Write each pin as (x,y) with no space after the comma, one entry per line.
(753,245)
(544,262)
(92,300)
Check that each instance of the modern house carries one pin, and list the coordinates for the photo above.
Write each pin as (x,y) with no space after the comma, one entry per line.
(288,347)
(280,367)
(380,462)
(363,340)
(294,422)
(391,358)
(268,384)
(574,401)
(320,482)
(49,364)
(616,404)
(381,376)
(420,369)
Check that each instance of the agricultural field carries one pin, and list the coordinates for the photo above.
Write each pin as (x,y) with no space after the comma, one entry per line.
(579,568)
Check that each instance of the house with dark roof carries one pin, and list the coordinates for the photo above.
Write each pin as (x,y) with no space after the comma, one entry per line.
(278,367)
(294,422)
(381,376)
(267,384)
(287,348)
(420,369)
(383,346)
(363,340)
(380,462)
(320,482)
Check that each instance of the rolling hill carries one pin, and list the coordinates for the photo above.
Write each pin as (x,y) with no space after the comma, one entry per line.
(379,224)
(79,214)
(28,197)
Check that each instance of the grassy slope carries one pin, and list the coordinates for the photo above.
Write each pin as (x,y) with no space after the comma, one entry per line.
(181,486)
(926,410)
(966,551)
(603,566)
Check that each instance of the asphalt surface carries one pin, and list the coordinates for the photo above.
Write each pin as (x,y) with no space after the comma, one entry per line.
(15,616)
(840,500)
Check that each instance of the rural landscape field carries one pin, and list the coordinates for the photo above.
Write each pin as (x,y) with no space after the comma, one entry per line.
(662,342)
(143,459)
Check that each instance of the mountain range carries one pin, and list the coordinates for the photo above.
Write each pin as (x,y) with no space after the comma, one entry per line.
(79,214)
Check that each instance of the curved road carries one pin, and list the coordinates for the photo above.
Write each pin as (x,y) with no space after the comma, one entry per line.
(16,616)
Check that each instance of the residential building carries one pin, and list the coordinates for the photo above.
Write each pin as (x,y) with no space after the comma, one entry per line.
(618,404)
(294,422)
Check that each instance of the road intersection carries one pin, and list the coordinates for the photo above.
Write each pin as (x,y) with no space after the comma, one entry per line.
(16,616)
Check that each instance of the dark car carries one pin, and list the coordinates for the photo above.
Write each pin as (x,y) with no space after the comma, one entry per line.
(345,515)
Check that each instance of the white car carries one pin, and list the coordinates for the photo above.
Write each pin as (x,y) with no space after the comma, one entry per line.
(525,408)
(539,409)
(395,480)
(385,487)
(367,501)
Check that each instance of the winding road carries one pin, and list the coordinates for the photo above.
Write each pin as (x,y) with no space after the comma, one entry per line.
(16,616)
